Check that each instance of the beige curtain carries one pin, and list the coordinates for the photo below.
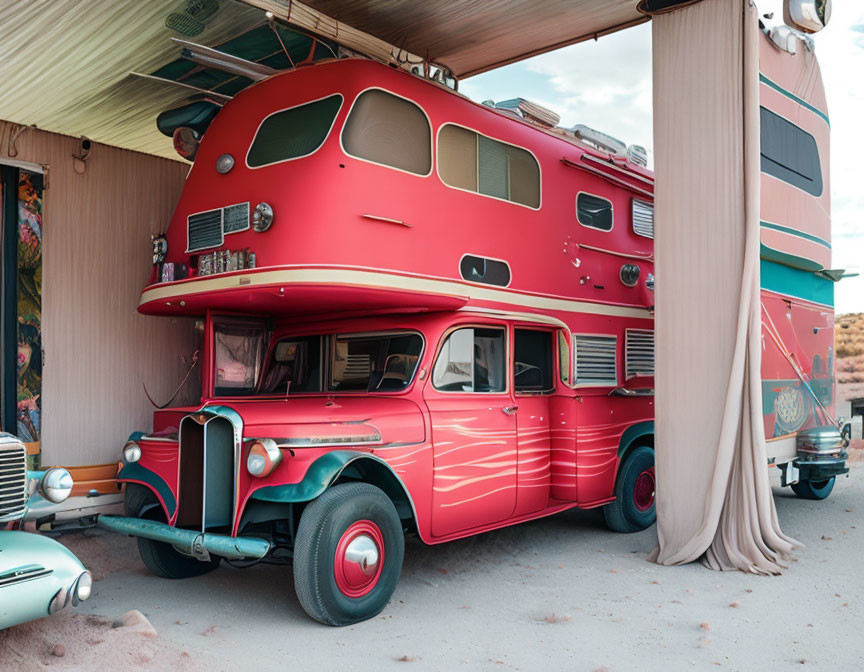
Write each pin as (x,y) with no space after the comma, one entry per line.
(714,499)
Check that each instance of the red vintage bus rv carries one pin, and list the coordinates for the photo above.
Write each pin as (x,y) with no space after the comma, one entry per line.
(424,314)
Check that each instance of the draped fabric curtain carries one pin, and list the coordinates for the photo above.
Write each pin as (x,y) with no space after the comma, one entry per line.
(714,499)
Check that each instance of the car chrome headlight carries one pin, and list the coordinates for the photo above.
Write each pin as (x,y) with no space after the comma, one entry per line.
(82,588)
(263,457)
(131,452)
(56,485)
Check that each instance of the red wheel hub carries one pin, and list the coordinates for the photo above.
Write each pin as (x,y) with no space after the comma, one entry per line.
(643,491)
(359,558)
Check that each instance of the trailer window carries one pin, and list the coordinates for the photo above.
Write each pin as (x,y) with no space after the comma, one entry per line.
(374,363)
(386,129)
(470,161)
(472,360)
(594,212)
(790,153)
(532,371)
(293,133)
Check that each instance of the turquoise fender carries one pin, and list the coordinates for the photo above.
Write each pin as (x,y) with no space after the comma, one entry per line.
(320,476)
(135,472)
(634,432)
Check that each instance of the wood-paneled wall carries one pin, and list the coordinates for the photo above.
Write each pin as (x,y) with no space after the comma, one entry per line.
(96,259)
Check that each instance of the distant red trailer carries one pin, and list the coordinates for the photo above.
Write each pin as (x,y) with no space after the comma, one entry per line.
(418,313)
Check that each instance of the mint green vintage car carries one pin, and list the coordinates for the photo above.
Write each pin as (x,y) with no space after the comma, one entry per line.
(38,576)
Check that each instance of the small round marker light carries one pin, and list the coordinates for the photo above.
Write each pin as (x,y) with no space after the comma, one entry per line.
(262,218)
(224,163)
(264,457)
(56,485)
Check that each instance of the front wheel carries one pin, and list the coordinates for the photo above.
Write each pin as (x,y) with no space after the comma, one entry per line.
(813,489)
(633,508)
(160,558)
(348,554)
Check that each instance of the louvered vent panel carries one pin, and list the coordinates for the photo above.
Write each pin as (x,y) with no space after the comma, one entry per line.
(639,347)
(205,230)
(236,218)
(596,360)
(13,481)
(643,218)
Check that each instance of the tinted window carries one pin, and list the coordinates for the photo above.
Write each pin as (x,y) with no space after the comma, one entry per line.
(594,212)
(295,367)
(533,361)
(390,130)
(376,363)
(293,133)
(472,360)
(238,351)
(790,153)
(487,271)
(470,161)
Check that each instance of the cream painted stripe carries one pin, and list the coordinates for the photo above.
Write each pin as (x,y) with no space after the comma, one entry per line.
(384,281)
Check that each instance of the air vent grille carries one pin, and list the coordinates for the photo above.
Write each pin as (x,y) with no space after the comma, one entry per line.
(205,230)
(639,352)
(13,480)
(235,218)
(596,360)
(643,218)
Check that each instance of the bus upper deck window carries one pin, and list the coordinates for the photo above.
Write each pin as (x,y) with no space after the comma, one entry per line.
(473,162)
(389,130)
(293,133)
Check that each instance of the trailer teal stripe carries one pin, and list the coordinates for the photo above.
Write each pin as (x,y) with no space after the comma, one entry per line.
(792,96)
(796,283)
(795,232)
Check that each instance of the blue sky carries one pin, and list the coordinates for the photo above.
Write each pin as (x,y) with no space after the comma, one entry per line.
(607,85)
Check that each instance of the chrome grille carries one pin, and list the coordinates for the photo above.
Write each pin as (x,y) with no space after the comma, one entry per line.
(596,360)
(639,352)
(204,230)
(643,218)
(13,478)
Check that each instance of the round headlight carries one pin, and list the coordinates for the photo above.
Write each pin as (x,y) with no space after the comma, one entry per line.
(262,218)
(629,275)
(186,142)
(82,588)
(263,457)
(56,485)
(131,452)
(224,163)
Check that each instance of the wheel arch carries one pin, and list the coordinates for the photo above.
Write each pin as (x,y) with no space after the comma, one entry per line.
(640,434)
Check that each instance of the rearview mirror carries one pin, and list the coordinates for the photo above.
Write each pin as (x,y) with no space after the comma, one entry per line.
(808,16)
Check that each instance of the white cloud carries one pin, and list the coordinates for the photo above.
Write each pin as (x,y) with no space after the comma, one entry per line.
(607,85)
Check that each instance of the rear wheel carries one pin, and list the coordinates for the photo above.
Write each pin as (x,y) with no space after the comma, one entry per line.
(813,489)
(348,554)
(633,508)
(160,558)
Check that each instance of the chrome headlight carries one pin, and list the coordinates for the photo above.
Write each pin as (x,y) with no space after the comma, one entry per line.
(262,218)
(82,588)
(131,452)
(263,458)
(56,485)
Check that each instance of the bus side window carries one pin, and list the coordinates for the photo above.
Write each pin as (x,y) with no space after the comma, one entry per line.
(472,360)
(533,370)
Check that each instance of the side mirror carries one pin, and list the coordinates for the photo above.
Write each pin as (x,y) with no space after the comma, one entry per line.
(808,16)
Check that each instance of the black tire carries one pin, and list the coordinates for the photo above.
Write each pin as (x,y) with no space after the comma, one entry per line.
(813,489)
(160,558)
(322,526)
(623,515)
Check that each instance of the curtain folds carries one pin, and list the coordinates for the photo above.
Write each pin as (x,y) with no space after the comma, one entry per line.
(714,499)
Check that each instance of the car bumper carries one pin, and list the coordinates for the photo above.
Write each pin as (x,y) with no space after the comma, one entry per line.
(37,577)
(190,542)
(820,468)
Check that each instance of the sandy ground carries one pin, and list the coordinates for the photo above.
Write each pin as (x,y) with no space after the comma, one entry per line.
(558,594)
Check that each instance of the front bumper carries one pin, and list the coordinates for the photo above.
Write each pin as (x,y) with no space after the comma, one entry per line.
(822,468)
(189,542)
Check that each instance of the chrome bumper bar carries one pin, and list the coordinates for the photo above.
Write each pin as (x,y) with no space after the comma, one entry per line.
(190,542)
